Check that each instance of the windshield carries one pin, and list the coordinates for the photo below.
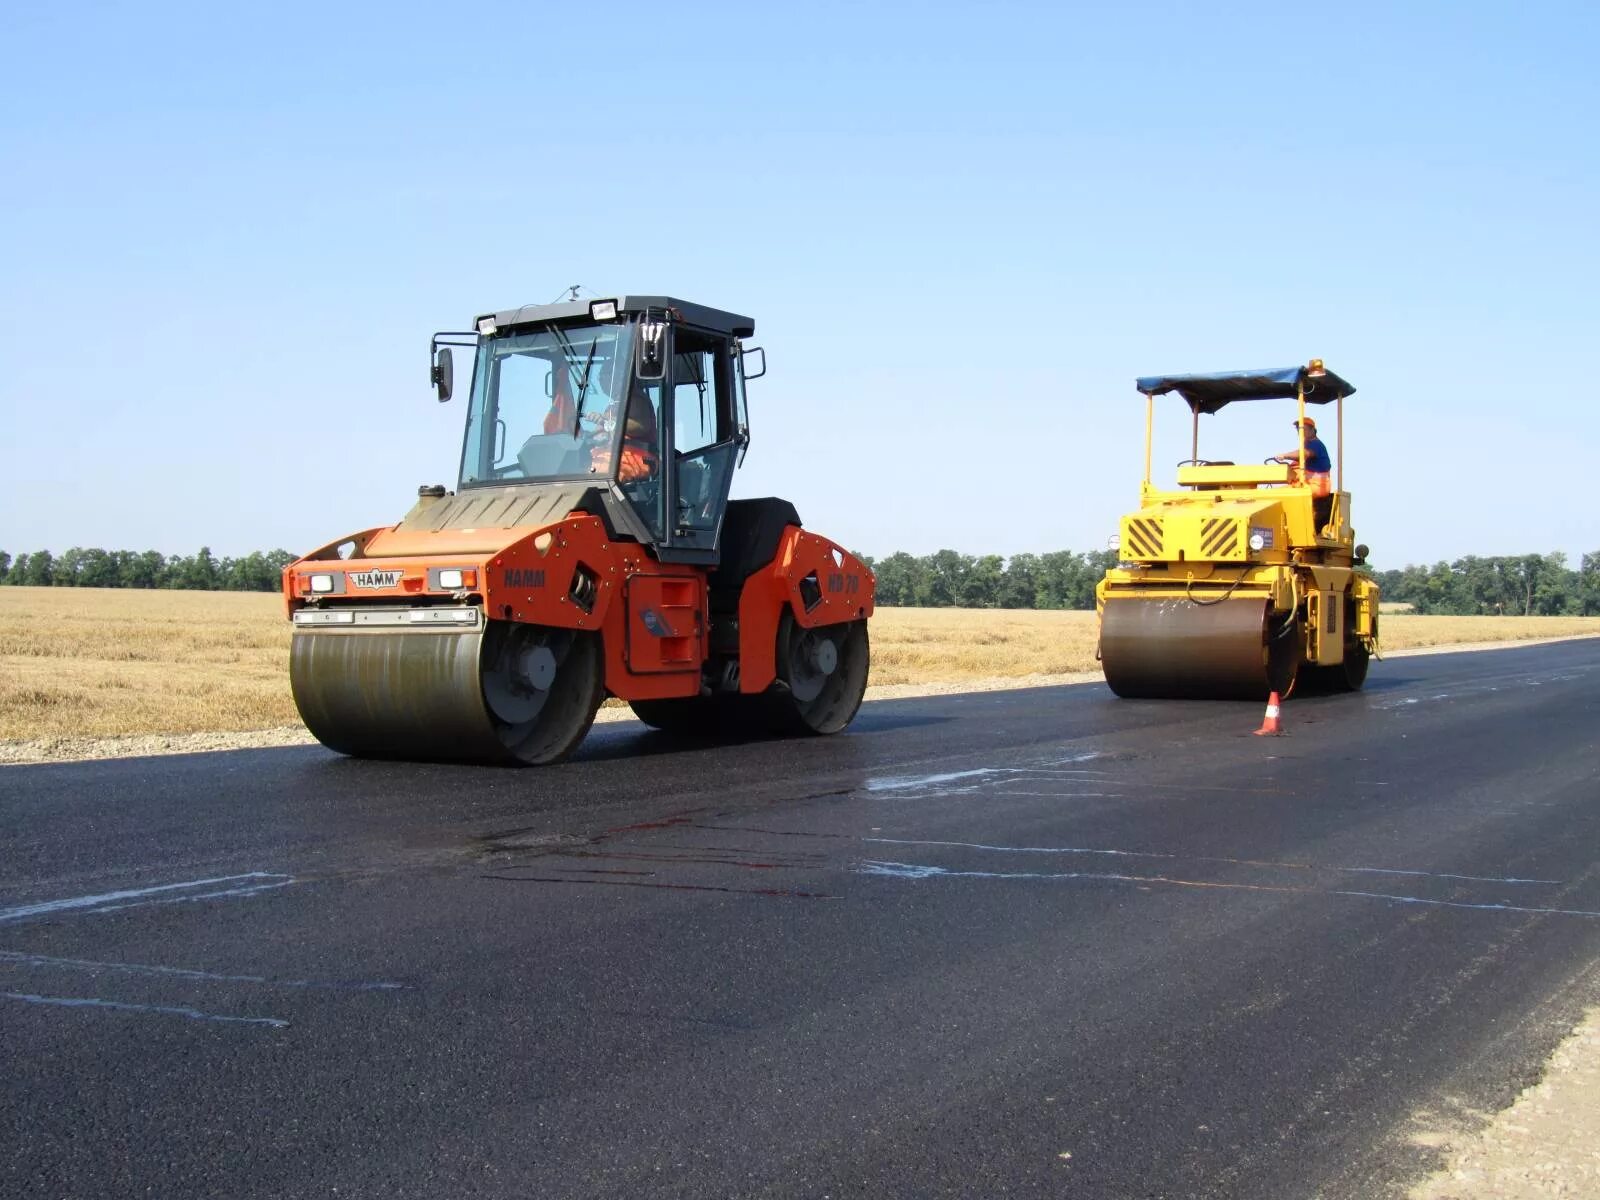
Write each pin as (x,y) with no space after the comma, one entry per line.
(545,404)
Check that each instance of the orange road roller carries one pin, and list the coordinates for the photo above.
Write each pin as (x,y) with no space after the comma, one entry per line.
(589,550)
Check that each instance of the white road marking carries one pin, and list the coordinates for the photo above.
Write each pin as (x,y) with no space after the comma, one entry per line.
(899,870)
(194,1014)
(84,964)
(1242,862)
(104,900)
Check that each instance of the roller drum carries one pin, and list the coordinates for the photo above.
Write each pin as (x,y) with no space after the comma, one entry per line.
(1175,648)
(395,694)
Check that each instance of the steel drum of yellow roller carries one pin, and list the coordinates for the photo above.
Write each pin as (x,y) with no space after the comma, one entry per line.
(1233,649)
(494,692)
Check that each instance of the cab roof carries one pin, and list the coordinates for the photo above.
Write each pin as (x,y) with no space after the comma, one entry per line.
(691,314)
(1208,393)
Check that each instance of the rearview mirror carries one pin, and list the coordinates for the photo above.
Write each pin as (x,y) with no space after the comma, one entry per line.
(652,360)
(748,362)
(444,374)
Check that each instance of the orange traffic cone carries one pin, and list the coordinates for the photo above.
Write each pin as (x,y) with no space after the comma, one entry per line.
(1269,723)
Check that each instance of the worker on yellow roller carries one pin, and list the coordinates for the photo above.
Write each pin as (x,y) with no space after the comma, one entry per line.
(1318,471)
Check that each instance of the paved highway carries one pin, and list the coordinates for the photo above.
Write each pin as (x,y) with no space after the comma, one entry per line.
(1019,943)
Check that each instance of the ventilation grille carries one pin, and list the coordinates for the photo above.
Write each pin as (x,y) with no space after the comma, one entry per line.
(1144,537)
(1219,538)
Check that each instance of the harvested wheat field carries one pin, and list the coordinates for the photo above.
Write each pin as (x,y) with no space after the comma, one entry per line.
(87,663)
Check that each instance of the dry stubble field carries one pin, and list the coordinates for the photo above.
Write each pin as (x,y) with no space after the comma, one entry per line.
(92,663)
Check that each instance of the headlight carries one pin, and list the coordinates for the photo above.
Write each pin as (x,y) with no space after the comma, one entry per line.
(336,616)
(1257,542)
(450,580)
(1114,542)
(322,583)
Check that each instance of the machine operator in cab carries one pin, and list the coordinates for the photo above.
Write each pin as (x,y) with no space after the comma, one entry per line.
(640,436)
(1318,474)
(640,439)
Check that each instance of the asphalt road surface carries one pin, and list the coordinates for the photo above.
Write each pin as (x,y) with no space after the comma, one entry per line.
(1016,943)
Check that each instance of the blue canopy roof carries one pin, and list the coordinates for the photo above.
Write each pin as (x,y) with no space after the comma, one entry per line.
(1208,393)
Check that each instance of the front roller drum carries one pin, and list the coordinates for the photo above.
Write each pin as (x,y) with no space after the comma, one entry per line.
(1175,648)
(505,693)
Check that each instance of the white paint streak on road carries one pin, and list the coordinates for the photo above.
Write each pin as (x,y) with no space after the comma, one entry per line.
(193,1014)
(244,891)
(84,964)
(1241,862)
(104,901)
(895,783)
(899,870)
(106,898)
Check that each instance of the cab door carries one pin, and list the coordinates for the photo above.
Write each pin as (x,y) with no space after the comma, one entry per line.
(705,440)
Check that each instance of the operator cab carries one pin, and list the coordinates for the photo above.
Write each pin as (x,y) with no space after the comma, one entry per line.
(641,399)
(1312,384)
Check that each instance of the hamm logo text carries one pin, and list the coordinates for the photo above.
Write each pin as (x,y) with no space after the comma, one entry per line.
(375,579)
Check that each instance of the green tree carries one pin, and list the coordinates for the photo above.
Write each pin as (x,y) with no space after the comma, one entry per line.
(18,571)
(97,569)
(897,580)
(980,588)
(943,580)
(196,574)
(147,570)
(41,569)
(1017,588)
(1588,585)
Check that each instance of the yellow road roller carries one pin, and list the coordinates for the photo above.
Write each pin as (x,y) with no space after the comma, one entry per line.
(1246,579)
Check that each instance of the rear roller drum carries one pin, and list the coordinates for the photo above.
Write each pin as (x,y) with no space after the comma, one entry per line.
(822,676)
(1347,676)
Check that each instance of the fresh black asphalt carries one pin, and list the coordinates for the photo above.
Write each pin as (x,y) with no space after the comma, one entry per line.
(1016,943)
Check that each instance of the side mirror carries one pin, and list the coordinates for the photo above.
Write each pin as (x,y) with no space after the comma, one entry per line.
(443,374)
(748,360)
(652,359)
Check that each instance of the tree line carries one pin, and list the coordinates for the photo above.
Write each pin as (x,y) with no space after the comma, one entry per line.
(946,579)
(1515,585)
(1523,585)
(202,572)
(1534,585)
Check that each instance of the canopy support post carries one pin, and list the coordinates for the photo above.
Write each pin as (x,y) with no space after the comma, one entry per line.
(1149,421)
(1300,427)
(1339,406)
(1194,441)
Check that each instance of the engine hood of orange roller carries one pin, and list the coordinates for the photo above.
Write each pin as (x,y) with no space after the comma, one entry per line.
(477,521)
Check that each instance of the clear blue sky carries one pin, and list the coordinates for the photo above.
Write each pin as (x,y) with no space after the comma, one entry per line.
(226,233)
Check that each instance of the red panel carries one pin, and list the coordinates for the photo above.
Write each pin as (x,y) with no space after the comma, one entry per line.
(666,623)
